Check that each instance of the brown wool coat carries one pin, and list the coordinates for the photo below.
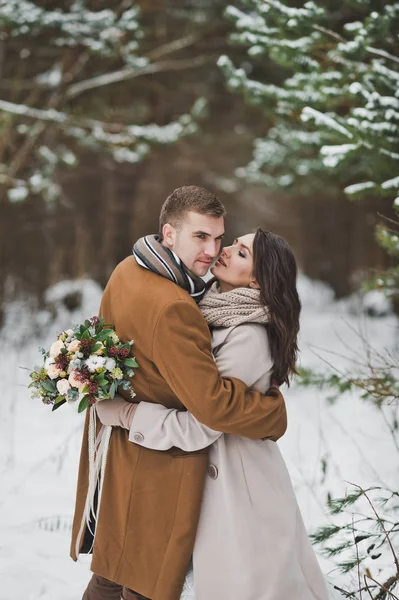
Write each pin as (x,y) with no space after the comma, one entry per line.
(151,500)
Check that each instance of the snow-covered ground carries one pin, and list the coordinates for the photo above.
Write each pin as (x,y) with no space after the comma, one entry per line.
(326,444)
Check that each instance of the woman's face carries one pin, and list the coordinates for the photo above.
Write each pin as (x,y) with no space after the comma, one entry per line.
(235,265)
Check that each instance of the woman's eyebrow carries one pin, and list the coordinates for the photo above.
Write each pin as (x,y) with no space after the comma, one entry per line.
(243,246)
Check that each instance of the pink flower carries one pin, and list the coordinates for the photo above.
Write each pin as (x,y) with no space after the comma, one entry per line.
(63,386)
(73,346)
(75,381)
(55,348)
(53,371)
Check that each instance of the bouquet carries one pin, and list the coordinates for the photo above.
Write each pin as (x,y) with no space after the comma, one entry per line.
(85,364)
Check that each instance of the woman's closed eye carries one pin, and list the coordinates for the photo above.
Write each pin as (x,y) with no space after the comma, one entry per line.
(240,253)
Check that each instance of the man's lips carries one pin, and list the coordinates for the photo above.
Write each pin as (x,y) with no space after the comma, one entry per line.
(204,262)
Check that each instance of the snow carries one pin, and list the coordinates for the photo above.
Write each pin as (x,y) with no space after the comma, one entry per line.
(376,303)
(333,155)
(390,183)
(356,188)
(39,450)
(309,113)
(18,194)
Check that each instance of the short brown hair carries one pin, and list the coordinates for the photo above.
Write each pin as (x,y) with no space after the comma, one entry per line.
(184,199)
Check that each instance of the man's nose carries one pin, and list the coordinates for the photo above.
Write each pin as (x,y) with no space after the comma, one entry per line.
(212,248)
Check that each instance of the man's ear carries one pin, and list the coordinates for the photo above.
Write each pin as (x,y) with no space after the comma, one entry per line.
(168,235)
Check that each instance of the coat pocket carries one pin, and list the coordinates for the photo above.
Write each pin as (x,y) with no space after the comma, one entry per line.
(179,453)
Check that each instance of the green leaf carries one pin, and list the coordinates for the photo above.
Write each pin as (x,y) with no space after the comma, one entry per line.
(112,390)
(64,351)
(104,334)
(130,362)
(55,406)
(96,347)
(59,399)
(86,336)
(83,404)
(49,386)
(85,389)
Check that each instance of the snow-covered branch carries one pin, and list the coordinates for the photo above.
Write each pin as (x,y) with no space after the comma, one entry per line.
(129,73)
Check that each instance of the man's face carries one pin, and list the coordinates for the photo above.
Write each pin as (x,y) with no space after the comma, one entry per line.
(197,241)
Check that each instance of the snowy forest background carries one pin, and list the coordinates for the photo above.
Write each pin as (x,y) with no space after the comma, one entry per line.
(290,113)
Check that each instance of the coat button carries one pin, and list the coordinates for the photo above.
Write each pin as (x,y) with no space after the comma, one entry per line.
(138,437)
(213,472)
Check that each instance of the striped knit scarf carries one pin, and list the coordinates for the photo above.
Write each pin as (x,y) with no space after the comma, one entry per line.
(154,256)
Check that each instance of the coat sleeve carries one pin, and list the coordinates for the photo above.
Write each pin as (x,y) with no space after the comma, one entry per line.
(182,354)
(160,428)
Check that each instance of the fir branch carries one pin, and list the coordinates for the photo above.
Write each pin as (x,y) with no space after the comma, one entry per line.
(129,73)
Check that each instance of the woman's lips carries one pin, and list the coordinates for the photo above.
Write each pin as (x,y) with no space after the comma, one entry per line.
(221,262)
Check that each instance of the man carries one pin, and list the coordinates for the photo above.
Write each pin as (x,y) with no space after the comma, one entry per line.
(151,500)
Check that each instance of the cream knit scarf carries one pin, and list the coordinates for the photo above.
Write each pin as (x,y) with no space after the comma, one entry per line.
(229,309)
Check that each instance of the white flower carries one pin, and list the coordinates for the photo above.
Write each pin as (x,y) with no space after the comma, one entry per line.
(110,364)
(56,347)
(63,386)
(95,362)
(73,346)
(69,332)
(53,371)
(49,361)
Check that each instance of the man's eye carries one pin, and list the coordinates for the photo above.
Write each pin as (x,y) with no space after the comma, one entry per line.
(201,237)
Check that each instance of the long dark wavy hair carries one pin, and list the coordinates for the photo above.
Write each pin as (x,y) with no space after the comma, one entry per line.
(276,272)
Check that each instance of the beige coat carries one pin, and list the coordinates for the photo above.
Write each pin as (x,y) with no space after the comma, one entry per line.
(151,501)
(251,542)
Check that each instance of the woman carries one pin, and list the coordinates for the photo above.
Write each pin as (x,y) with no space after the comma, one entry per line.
(251,542)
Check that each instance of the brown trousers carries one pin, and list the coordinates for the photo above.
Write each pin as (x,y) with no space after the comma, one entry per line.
(100,588)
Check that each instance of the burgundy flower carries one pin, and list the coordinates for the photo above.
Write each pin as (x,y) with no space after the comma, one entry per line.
(94,321)
(62,361)
(91,399)
(113,352)
(123,352)
(83,375)
(85,347)
(93,388)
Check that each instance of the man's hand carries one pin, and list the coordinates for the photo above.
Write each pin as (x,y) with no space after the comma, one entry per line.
(116,412)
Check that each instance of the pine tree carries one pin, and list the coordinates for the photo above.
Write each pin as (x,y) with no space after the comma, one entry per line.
(334,114)
(335,109)
(60,71)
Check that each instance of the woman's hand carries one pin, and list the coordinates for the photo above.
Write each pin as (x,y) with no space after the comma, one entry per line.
(116,412)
